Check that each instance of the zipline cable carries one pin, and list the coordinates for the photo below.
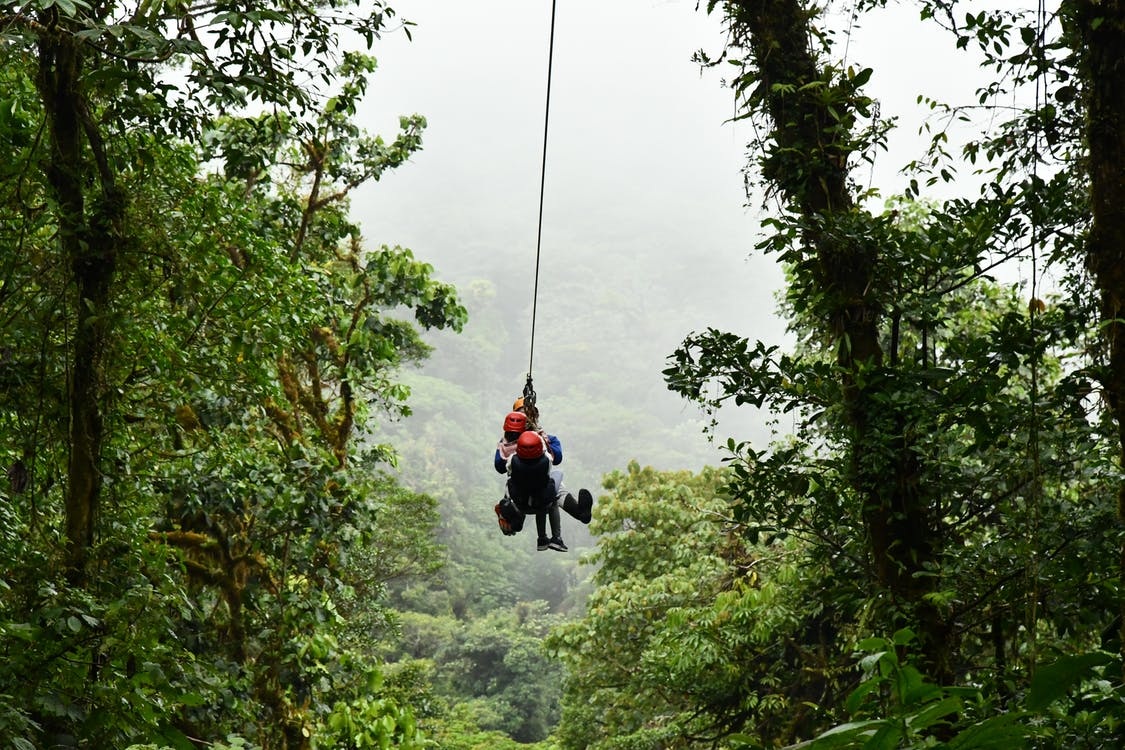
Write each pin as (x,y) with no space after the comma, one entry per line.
(529,391)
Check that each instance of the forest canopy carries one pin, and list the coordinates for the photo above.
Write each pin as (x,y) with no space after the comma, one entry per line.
(237,514)
(196,338)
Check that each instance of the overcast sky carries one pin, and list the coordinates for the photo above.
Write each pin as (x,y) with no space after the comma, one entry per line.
(631,116)
(639,144)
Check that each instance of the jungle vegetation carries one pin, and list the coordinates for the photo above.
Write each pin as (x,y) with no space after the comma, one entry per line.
(237,515)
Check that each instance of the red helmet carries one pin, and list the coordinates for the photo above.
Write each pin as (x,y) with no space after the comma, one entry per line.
(529,446)
(515,422)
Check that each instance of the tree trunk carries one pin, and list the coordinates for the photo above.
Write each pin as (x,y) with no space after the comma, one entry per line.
(89,250)
(808,165)
(1101,24)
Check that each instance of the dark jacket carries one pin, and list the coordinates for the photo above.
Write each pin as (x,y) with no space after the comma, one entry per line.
(530,484)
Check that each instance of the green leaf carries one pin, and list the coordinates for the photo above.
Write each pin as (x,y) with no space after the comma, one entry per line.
(22,630)
(743,742)
(845,734)
(994,733)
(886,738)
(933,713)
(857,696)
(1053,681)
(904,636)
(176,739)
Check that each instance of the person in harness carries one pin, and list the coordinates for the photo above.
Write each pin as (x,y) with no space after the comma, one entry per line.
(528,455)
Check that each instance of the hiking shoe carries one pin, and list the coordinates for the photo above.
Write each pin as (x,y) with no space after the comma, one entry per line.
(544,543)
(556,544)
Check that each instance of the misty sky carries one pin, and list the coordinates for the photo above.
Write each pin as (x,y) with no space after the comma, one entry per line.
(640,155)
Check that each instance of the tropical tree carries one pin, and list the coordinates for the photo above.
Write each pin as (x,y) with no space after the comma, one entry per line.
(1093,33)
(947,457)
(690,632)
(200,337)
(101,71)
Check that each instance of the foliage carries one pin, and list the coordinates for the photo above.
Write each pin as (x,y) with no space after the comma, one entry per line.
(199,350)
(947,466)
(912,711)
(367,723)
(177,561)
(459,730)
(684,637)
(490,670)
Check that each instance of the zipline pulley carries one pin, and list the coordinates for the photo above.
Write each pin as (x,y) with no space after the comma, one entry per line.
(529,407)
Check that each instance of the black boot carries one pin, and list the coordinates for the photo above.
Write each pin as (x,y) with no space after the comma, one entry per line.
(580,508)
(585,502)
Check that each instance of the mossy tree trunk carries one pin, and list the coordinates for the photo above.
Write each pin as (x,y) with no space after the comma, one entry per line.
(1101,26)
(812,110)
(87,231)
